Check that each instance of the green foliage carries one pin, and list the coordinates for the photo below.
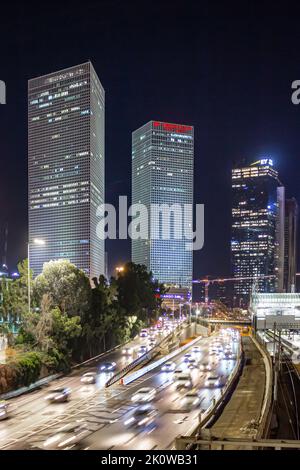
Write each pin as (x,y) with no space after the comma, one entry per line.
(67,286)
(138,293)
(76,320)
(15,294)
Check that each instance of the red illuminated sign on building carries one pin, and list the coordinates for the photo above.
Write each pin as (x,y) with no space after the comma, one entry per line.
(172,127)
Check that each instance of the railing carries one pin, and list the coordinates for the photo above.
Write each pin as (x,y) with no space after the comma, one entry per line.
(155,364)
(217,402)
(142,359)
(266,409)
(217,444)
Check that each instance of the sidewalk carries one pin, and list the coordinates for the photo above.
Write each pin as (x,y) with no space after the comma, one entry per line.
(240,416)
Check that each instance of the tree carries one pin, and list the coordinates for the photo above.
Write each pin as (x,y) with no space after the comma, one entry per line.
(50,331)
(15,294)
(138,293)
(67,286)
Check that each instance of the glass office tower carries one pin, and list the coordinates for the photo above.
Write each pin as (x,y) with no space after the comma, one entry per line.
(66,167)
(256,228)
(162,173)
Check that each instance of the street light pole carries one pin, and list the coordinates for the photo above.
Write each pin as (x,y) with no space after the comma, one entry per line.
(28,274)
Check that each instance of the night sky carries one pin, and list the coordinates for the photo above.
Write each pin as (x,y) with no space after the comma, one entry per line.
(224,69)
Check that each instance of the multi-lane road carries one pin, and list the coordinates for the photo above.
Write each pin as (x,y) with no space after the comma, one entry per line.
(104,411)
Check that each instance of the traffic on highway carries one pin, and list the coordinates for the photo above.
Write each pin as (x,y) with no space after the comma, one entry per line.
(79,412)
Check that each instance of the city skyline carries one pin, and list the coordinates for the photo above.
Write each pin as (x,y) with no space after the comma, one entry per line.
(245,121)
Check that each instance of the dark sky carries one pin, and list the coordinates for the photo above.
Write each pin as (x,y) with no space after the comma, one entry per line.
(223,68)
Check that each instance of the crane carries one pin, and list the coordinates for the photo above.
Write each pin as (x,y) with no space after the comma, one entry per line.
(207,281)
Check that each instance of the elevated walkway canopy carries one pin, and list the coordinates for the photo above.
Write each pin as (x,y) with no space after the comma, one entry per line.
(282,309)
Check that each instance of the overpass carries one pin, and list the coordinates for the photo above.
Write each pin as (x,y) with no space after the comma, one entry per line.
(223,321)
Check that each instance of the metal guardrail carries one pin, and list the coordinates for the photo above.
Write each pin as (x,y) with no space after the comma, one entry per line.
(266,409)
(50,378)
(212,410)
(155,364)
(210,444)
(142,359)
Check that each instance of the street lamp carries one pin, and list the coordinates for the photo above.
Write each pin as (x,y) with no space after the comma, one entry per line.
(36,241)
(120,269)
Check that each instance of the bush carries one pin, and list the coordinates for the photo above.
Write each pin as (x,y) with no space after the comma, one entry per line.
(21,371)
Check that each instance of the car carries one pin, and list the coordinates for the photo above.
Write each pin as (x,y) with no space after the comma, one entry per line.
(212,381)
(107,367)
(89,378)
(190,400)
(127,351)
(67,437)
(227,355)
(143,416)
(4,410)
(142,350)
(187,357)
(192,363)
(58,395)
(144,333)
(144,395)
(183,380)
(196,350)
(205,366)
(212,352)
(168,367)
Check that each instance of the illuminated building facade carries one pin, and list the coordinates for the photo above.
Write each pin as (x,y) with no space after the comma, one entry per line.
(290,251)
(256,229)
(162,173)
(66,167)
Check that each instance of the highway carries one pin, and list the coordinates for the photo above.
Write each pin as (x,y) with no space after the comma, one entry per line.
(104,410)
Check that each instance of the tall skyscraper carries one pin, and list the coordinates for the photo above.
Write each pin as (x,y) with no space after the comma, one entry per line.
(255,228)
(290,245)
(162,173)
(66,167)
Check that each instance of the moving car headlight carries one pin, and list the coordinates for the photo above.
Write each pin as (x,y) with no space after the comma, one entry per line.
(129,421)
(58,397)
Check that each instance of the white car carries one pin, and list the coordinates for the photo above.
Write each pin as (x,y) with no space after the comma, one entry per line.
(142,350)
(227,355)
(144,333)
(107,367)
(212,381)
(67,437)
(183,381)
(205,366)
(144,395)
(196,350)
(168,367)
(127,351)
(4,413)
(58,395)
(89,378)
(190,400)
(142,416)
(192,363)
(187,357)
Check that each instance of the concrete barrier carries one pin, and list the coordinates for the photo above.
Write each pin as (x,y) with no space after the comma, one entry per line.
(155,364)
(145,358)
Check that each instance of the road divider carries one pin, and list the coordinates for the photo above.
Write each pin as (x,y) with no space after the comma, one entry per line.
(145,358)
(153,365)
